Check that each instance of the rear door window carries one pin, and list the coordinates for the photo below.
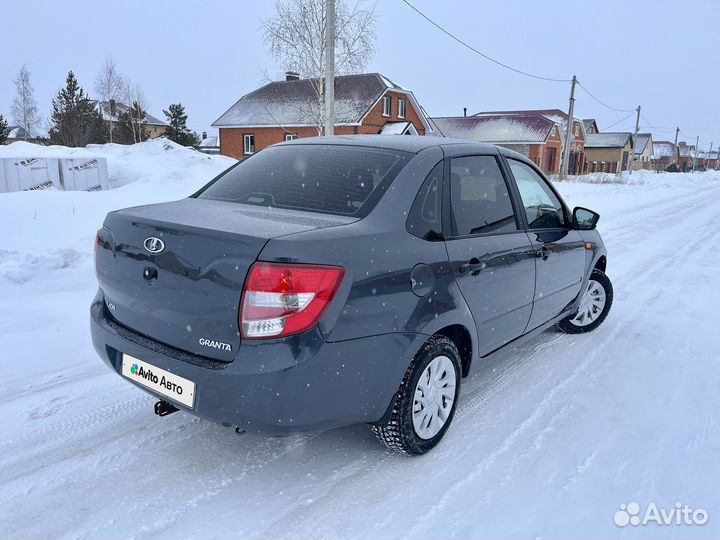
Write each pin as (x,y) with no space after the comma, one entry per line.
(479,198)
(345,180)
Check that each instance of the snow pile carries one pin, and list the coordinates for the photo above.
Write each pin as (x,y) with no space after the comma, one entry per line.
(153,171)
(157,160)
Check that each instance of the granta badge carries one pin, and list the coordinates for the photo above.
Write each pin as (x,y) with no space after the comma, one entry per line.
(154,245)
(215,344)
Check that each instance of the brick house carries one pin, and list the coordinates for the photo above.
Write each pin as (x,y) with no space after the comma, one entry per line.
(365,103)
(577,142)
(706,161)
(532,135)
(664,154)
(686,156)
(608,151)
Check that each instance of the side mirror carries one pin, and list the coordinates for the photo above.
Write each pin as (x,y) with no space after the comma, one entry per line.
(584,219)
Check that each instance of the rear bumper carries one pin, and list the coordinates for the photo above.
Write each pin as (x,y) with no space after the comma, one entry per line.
(300,383)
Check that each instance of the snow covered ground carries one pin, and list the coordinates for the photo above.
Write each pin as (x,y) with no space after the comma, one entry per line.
(549,440)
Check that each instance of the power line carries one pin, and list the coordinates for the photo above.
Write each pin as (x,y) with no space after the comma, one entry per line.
(649,124)
(540,77)
(621,120)
(473,49)
(605,104)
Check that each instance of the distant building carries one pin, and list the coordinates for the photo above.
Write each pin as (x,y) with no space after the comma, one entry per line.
(366,103)
(686,156)
(709,160)
(209,144)
(664,154)
(590,126)
(155,126)
(608,151)
(643,151)
(578,135)
(532,135)
(17,133)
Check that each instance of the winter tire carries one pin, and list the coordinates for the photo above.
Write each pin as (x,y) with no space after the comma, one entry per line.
(594,306)
(426,400)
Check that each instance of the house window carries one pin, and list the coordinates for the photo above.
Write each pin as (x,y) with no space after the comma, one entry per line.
(401,108)
(387,106)
(249,143)
(291,136)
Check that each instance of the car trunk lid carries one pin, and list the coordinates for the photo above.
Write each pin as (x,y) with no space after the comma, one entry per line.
(174,272)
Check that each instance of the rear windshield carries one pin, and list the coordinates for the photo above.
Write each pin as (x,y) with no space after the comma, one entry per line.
(345,180)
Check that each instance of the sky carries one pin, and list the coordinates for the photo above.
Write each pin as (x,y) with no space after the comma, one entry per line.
(660,55)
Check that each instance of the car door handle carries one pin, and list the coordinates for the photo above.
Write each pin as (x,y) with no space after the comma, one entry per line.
(473,266)
(542,253)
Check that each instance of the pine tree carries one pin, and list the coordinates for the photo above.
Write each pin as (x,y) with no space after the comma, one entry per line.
(178,131)
(75,121)
(3,129)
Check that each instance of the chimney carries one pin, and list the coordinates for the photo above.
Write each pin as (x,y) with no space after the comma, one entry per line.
(464,111)
(292,76)
(204,135)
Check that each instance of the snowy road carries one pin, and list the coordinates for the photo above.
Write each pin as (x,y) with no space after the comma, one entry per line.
(549,439)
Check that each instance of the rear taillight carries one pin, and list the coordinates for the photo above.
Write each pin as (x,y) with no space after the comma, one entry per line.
(283,299)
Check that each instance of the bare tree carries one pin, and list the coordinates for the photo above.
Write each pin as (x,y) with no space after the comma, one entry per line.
(134,96)
(296,38)
(24,107)
(109,85)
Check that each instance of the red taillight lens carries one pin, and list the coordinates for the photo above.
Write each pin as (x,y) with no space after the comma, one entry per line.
(284,299)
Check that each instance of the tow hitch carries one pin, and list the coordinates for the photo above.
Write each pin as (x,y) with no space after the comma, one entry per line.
(163,408)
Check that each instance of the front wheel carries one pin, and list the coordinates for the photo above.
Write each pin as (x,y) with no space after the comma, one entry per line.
(425,403)
(594,306)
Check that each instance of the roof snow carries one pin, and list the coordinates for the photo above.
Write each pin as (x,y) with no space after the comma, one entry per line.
(103,107)
(607,140)
(18,132)
(641,142)
(211,141)
(663,149)
(295,102)
(500,128)
(590,125)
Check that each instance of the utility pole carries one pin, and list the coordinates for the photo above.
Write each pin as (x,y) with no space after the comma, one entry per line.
(637,128)
(568,132)
(707,163)
(697,147)
(329,67)
(675,153)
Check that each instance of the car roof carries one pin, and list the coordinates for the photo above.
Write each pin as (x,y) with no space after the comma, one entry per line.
(406,143)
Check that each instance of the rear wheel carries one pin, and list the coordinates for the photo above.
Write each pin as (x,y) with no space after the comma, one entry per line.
(425,403)
(594,305)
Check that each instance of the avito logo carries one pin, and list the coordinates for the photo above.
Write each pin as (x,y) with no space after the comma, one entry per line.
(681,514)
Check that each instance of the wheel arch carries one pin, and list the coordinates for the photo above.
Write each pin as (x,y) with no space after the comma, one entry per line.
(601,263)
(461,337)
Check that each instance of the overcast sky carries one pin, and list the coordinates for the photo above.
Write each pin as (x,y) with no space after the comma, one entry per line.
(663,56)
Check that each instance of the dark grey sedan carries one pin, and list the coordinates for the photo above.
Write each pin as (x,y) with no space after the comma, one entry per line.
(333,281)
